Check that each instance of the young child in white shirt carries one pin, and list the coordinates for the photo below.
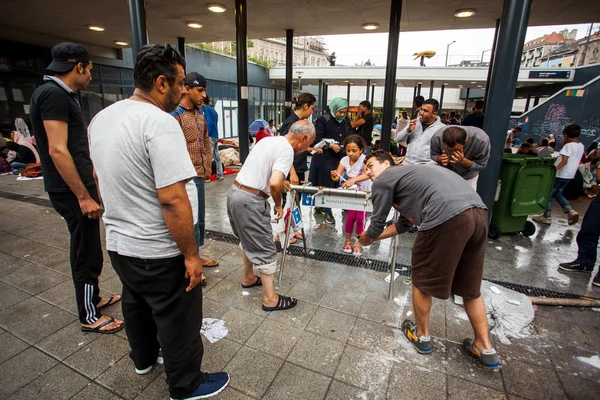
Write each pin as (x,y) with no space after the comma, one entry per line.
(566,168)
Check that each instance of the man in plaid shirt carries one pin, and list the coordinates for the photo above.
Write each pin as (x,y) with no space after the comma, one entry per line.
(193,125)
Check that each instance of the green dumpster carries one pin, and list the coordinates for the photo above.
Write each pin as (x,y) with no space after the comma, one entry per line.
(525,186)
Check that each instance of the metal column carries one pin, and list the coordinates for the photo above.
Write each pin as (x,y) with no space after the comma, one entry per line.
(289,65)
(320,103)
(389,100)
(137,20)
(372,95)
(431,89)
(241,31)
(367,95)
(325,94)
(511,37)
(528,101)
(442,98)
(348,94)
(466,102)
(181,46)
(489,75)
(536,101)
(418,90)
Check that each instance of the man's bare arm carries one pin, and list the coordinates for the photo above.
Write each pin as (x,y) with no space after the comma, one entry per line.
(57,132)
(177,212)
(358,122)
(276,188)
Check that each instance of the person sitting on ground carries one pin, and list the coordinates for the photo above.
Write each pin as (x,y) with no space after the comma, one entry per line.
(566,168)
(544,150)
(24,155)
(592,152)
(19,138)
(465,150)
(261,134)
(449,250)
(261,177)
(419,132)
(526,150)
(532,144)
(476,117)
(588,172)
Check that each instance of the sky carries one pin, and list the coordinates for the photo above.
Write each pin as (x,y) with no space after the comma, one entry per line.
(470,43)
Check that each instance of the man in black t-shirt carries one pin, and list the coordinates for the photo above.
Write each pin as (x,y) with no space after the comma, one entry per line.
(363,124)
(61,137)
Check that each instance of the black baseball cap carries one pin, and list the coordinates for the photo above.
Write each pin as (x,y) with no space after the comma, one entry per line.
(194,79)
(66,55)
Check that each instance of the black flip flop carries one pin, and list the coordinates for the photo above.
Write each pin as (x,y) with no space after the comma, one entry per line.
(98,330)
(283,303)
(110,302)
(257,283)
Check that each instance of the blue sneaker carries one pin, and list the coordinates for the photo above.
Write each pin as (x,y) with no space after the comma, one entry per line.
(213,384)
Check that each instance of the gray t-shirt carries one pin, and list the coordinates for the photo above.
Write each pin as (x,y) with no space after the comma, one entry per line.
(425,195)
(137,149)
(477,149)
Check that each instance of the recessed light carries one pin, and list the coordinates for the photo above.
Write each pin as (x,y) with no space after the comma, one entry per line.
(464,13)
(548,83)
(96,28)
(351,83)
(419,83)
(195,25)
(473,83)
(294,81)
(217,8)
(121,43)
(370,26)
(479,86)
(446,84)
(346,81)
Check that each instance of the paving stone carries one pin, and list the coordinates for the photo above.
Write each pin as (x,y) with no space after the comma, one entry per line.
(294,382)
(317,353)
(568,360)
(66,341)
(298,317)
(99,355)
(561,332)
(579,389)
(95,392)
(18,246)
(34,279)
(252,371)
(332,324)
(383,311)
(10,263)
(217,355)
(530,350)
(213,309)
(39,327)
(309,291)
(274,338)
(344,300)
(224,269)
(51,237)
(22,369)
(157,390)
(112,286)
(372,336)
(232,295)
(406,381)
(30,308)
(58,383)
(10,346)
(11,295)
(363,369)
(343,391)
(53,258)
(59,293)
(531,382)
(241,324)
(459,389)
(122,379)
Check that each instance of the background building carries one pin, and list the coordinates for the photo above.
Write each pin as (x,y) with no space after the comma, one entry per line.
(593,48)
(536,51)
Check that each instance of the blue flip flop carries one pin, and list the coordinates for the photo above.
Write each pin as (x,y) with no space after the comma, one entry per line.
(98,330)
(110,302)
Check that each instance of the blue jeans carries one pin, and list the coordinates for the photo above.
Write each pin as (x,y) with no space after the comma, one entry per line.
(587,238)
(18,165)
(216,156)
(557,192)
(199,227)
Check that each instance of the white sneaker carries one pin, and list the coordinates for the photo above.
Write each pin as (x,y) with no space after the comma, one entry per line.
(159,361)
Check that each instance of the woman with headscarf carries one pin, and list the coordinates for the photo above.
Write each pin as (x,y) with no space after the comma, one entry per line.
(334,126)
(21,126)
(19,138)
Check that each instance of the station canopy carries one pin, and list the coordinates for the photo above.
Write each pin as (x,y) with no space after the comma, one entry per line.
(44,22)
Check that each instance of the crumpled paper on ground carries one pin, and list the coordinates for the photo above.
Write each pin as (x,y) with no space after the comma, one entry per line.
(213,329)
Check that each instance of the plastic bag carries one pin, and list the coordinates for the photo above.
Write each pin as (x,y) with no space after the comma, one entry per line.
(510,313)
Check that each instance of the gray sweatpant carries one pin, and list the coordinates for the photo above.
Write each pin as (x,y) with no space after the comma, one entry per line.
(250,219)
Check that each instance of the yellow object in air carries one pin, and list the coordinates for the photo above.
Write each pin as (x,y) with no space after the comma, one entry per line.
(426,53)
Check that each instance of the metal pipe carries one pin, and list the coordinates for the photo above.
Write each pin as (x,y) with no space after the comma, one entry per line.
(528,101)
(389,100)
(431,89)
(393,261)
(286,241)
(419,89)
(329,191)
(442,98)
(489,74)
(289,65)
(502,85)
(466,102)
(372,95)
(241,37)
(448,51)
(137,21)
(367,95)
(348,94)
(320,97)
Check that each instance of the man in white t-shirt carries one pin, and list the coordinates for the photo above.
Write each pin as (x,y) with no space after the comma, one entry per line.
(145,178)
(511,138)
(263,175)
(566,168)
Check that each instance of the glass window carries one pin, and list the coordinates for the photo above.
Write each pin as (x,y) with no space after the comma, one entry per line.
(111,75)
(112,94)
(128,92)
(127,75)
(91,102)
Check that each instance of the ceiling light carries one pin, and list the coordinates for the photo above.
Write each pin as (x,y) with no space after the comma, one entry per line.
(346,81)
(294,81)
(479,86)
(464,13)
(121,43)
(419,83)
(195,25)
(549,83)
(473,83)
(370,26)
(446,83)
(96,28)
(217,8)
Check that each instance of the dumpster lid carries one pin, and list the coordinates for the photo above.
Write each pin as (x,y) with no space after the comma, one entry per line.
(532,189)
